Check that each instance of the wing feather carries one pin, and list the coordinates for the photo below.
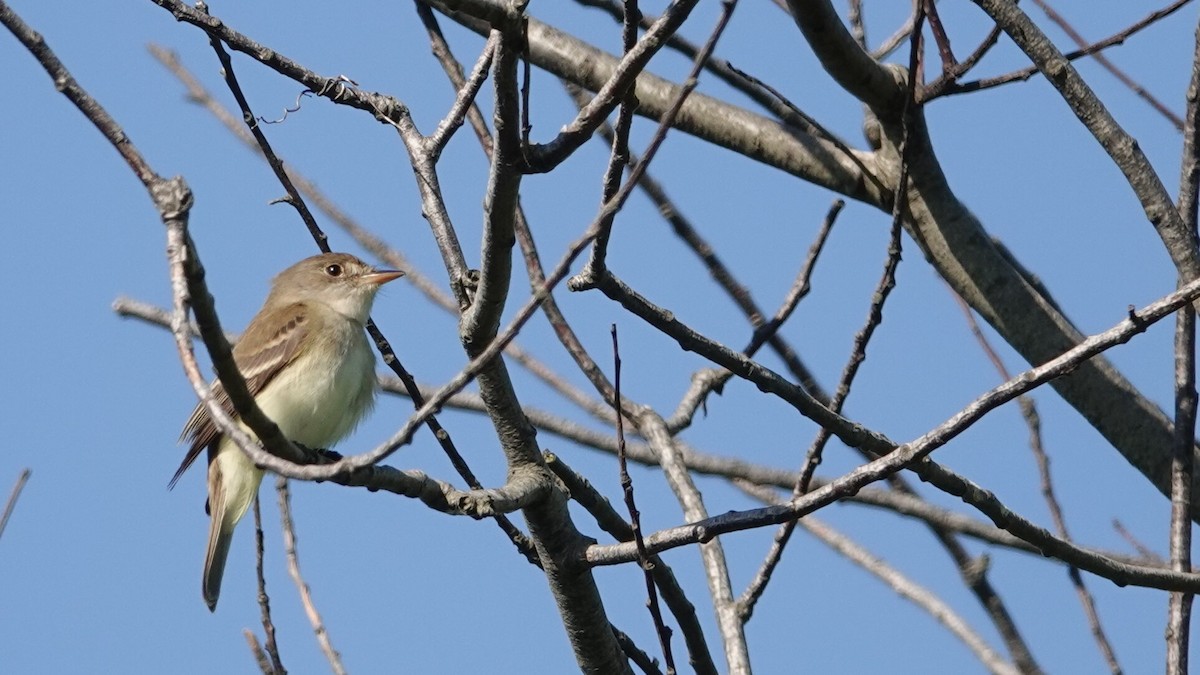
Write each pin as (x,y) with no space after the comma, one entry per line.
(259,357)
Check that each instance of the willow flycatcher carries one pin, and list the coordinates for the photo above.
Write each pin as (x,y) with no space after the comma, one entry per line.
(308,364)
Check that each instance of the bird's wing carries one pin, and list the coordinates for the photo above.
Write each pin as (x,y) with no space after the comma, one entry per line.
(258,367)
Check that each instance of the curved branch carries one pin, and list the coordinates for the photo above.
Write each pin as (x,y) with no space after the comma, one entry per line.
(1120,146)
(880,86)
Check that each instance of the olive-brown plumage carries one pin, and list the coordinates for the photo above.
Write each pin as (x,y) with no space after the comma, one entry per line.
(307,362)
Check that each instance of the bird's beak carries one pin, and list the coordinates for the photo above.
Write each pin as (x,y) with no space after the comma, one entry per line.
(381,277)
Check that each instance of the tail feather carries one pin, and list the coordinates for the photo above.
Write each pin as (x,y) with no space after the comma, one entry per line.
(220,534)
(232,486)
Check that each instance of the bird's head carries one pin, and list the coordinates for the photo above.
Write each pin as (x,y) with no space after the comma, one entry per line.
(341,281)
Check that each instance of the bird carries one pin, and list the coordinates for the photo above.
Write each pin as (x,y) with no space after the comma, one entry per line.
(307,362)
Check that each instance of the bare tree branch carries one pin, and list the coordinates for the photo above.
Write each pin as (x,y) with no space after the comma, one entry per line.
(814,158)
(1179,607)
(673,595)
(1094,48)
(1109,402)
(737,470)
(1179,613)
(264,602)
(898,173)
(635,521)
(1101,59)
(1033,421)
(1119,145)
(293,564)
(901,584)
(912,456)
(954,241)
(256,650)
(13,495)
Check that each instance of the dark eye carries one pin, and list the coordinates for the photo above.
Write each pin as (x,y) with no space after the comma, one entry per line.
(334,270)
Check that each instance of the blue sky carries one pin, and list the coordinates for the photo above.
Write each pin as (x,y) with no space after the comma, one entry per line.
(100,565)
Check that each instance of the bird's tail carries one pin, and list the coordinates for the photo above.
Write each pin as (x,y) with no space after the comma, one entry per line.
(232,486)
(220,534)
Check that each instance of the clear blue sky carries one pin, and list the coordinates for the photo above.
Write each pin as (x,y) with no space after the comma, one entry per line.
(100,565)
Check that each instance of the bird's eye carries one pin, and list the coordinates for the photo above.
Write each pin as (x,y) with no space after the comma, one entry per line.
(333,270)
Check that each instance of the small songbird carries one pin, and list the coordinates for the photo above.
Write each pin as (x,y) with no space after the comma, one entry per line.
(307,362)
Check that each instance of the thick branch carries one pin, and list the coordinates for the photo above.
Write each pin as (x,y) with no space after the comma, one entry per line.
(550,526)
(817,160)
(880,86)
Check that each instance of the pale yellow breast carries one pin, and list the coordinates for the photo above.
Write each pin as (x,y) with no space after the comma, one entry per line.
(318,401)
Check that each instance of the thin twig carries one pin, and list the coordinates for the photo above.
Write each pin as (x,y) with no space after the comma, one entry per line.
(1189,170)
(858,352)
(293,195)
(905,587)
(264,602)
(546,156)
(619,156)
(812,459)
(338,89)
(464,101)
(887,282)
(1144,551)
(721,68)
(641,659)
(13,495)
(904,32)
(812,126)
(293,563)
(1033,422)
(1094,48)
(606,516)
(256,650)
(858,28)
(635,520)
(767,332)
(949,77)
(617,201)
(1101,59)
(939,35)
(764,330)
